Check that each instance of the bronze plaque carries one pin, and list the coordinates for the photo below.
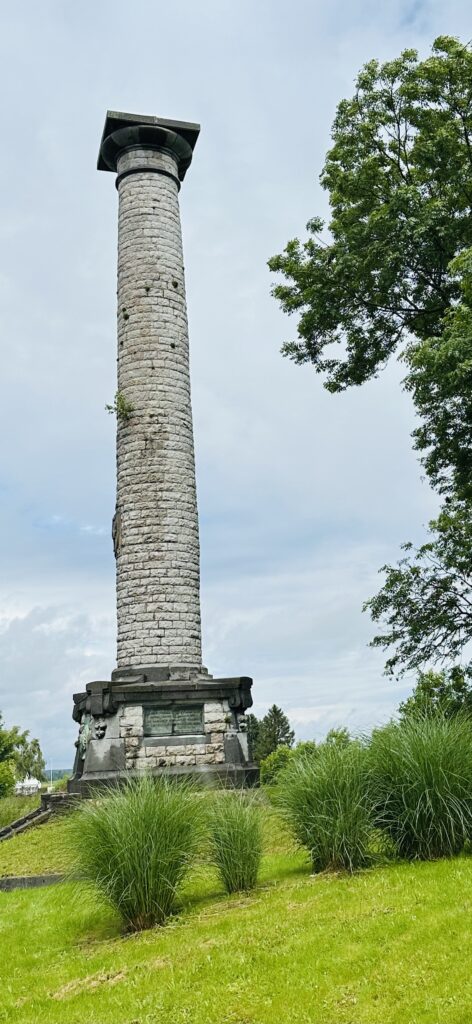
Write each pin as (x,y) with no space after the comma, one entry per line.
(178,721)
(157,721)
(188,721)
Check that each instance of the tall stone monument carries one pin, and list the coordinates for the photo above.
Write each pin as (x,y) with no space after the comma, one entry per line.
(161,711)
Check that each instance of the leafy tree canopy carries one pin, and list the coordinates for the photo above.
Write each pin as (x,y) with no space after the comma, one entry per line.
(273,765)
(338,737)
(29,760)
(439,693)
(274,731)
(400,189)
(440,381)
(396,266)
(22,754)
(8,738)
(252,725)
(425,604)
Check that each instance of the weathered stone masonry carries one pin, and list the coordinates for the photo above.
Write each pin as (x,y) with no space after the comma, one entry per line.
(141,753)
(158,603)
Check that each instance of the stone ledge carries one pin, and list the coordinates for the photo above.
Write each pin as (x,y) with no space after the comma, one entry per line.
(175,741)
(104,697)
(37,817)
(10,882)
(226,776)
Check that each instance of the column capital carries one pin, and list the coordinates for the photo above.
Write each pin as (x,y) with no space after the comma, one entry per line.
(129,131)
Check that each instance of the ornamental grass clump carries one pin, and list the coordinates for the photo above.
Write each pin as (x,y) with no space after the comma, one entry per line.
(421,774)
(235,838)
(325,802)
(136,844)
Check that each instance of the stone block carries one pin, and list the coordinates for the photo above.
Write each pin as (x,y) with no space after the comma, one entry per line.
(214,716)
(131,742)
(213,708)
(217,735)
(204,758)
(104,756)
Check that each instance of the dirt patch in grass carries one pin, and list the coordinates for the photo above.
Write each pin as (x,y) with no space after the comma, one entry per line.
(105,978)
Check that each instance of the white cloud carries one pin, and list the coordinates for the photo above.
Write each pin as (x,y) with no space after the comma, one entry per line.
(44,657)
(301,634)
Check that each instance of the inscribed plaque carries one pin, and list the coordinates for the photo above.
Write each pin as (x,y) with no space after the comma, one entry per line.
(177,721)
(157,721)
(188,721)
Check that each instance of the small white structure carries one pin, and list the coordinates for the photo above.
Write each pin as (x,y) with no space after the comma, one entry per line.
(27,786)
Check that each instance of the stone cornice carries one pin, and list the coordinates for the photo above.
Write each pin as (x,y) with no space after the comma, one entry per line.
(104,697)
(131,131)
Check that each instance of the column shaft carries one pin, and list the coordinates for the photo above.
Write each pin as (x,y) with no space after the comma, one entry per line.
(157,544)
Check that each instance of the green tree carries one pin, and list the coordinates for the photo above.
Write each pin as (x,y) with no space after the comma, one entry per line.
(252,726)
(425,604)
(7,764)
(29,759)
(426,601)
(338,737)
(445,693)
(22,754)
(306,748)
(7,773)
(400,189)
(7,777)
(8,740)
(272,765)
(274,731)
(440,381)
(397,266)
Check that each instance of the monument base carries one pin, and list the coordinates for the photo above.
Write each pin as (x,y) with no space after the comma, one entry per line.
(227,776)
(173,720)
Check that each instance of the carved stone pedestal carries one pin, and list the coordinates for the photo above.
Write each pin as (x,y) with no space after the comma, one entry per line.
(171,720)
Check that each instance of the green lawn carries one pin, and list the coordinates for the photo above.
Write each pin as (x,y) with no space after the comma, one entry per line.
(39,850)
(389,946)
(12,807)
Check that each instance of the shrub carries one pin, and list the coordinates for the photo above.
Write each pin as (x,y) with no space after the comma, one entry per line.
(7,777)
(421,771)
(272,731)
(272,765)
(339,736)
(306,748)
(136,845)
(60,785)
(326,804)
(236,840)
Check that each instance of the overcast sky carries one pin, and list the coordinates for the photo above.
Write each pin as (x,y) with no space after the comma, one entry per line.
(302,495)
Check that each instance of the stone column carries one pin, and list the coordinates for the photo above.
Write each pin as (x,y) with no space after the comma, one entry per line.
(161,711)
(156,523)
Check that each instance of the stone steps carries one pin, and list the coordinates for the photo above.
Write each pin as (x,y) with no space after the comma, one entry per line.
(37,817)
(51,804)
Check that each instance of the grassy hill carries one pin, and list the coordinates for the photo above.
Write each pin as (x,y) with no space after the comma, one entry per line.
(390,945)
